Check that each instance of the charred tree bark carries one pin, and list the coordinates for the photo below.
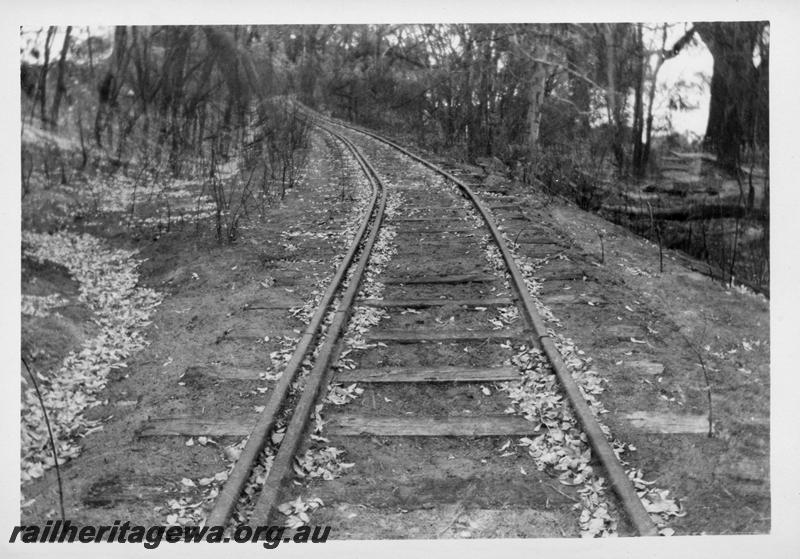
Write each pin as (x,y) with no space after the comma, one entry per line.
(42,90)
(581,95)
(172,92)
(61,87)
(614,110)
(235,66)
(536,100)
(109,86)
(734,87)
(484,138)
(639,161)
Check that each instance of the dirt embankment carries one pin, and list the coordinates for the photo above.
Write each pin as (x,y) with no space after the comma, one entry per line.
(226,307)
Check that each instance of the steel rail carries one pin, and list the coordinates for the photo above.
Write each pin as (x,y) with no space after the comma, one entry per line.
(620,481)
(228,497)
(328,352)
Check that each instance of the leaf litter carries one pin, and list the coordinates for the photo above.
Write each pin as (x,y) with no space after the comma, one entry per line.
(40,306)
(322,461)
(561,448)
(108,286)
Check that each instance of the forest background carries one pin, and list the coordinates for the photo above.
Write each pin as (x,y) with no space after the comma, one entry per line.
(580,110)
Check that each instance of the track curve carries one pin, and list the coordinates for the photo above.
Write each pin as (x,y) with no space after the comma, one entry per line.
(535,333)
(619,479)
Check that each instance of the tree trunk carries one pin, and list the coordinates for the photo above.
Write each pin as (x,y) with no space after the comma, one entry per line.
(614,120)
(48,42)
(173,80)
(109,86)
(61,87)
(484,138)
(467,116)
(639,163)
(580,93)
(649,122)
(536,93)
(734,91)
(536,99)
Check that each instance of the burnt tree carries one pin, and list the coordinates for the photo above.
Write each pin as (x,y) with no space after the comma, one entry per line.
(738,94)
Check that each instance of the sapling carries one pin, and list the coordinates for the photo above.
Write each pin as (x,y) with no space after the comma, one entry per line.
(601,233)
(702,363)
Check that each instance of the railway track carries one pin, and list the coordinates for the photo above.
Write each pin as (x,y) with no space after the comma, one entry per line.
(423,334)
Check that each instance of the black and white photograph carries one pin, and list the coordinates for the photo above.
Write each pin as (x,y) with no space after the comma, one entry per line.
(293,280)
